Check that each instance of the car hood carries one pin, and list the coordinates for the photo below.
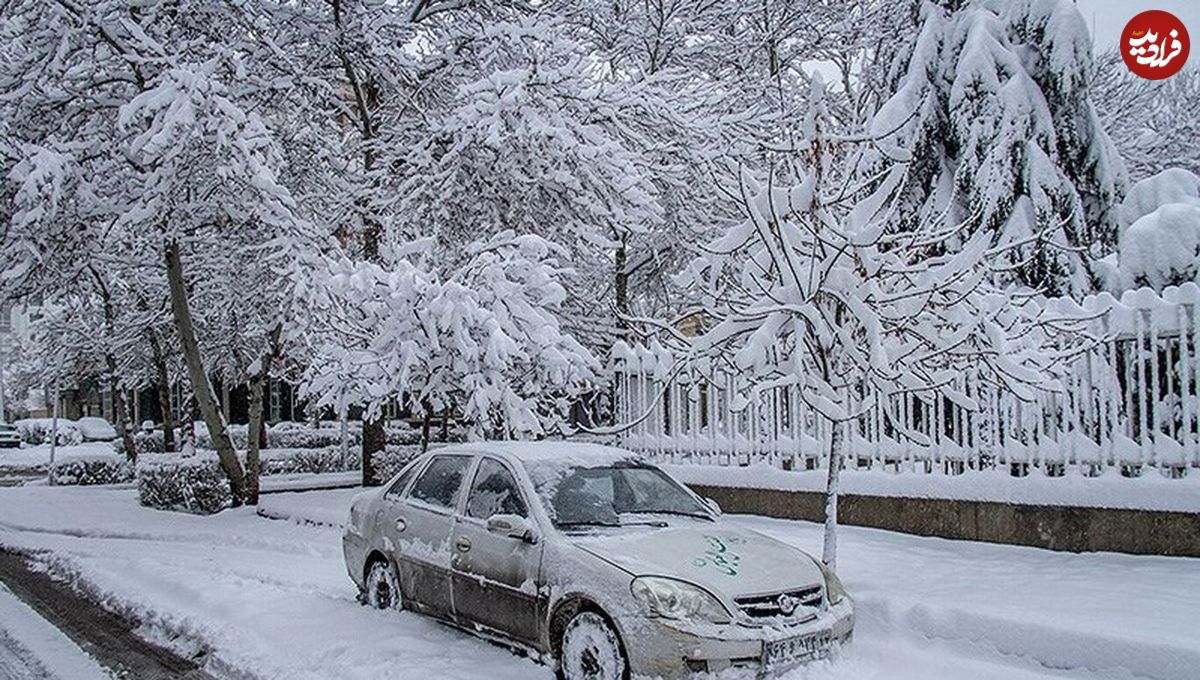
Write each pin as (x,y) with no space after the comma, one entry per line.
(724,559)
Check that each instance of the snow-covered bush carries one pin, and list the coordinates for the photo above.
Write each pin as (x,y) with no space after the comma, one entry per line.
(147,441)
(1159,241)
(194,485)
(390,461)
(1161,249)
(1174,185)
(90,471)
(308,460)
(37,431)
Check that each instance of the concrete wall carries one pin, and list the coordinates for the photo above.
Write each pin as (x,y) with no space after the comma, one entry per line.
(1054,527)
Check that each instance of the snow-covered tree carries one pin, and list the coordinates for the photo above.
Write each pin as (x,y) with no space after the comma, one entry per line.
(486,339)
(1153,123)
(991,101)
(813,288)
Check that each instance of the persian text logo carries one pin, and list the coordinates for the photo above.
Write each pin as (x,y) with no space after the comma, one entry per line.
(1155,44)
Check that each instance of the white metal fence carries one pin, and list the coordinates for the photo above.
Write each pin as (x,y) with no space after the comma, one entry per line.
(1130,403)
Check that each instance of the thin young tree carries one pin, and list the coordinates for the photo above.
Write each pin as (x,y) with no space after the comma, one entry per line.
(814,289)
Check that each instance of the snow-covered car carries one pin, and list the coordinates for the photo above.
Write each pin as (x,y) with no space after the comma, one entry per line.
(592,559)
(10,437)
(96,429)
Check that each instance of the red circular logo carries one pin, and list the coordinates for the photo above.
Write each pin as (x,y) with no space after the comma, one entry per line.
(1155,44)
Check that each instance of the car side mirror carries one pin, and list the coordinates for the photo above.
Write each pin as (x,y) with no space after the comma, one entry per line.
(512,526)
(713,506)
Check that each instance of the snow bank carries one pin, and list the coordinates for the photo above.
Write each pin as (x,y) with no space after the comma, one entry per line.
(49,651)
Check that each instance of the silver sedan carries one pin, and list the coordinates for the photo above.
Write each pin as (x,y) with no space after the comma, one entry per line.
(591,559)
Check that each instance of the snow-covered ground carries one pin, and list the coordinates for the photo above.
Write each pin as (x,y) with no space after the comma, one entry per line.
(270,598)
(33,649)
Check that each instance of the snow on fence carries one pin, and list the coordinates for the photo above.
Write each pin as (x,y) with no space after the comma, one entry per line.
(1130,401)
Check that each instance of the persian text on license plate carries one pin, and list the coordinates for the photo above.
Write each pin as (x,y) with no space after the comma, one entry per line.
(793,650)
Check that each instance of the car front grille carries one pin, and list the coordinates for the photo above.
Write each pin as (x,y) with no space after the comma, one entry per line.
(786,605)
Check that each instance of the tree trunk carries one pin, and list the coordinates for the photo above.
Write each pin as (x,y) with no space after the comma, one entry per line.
(425,423)
(253,463)
(446,425)
(621,285)
(206,399)
(832,489)
(255,430)
(374,439)
(163,380)
(122,412)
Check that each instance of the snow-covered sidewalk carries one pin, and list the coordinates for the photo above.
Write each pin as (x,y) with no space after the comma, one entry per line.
(270,598)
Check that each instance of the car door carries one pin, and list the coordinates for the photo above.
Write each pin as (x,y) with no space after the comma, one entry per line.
(419,530)
(496,576)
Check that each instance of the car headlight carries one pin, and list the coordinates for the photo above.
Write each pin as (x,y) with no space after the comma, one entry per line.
(835,592)
(671,599)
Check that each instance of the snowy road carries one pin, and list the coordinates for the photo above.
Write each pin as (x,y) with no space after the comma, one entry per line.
(270,599)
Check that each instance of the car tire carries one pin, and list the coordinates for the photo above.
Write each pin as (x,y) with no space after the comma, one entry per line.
(591,650)
(382,587)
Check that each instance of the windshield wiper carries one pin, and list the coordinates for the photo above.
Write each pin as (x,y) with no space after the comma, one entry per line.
(678,513)
(590,523)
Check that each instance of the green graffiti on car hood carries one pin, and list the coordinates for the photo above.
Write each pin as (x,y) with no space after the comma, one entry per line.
(720,556)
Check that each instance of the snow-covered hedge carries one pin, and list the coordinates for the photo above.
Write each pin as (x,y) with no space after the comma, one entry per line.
(147,442)
(37,431)
(329,459)
(389,462)
(308,460)
(194,485)
(289,435)
(91,470)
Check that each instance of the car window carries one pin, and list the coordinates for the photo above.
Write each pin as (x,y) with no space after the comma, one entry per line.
(397,487)
(438,484)
(494,492)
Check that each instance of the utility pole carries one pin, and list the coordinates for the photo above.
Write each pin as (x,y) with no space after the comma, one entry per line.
(54,422)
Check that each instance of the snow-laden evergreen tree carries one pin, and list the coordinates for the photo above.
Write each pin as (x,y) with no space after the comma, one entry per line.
(992,102)
(486,338)
(814,288)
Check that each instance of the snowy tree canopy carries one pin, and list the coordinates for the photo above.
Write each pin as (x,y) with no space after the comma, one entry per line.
(485,339)
(991,102)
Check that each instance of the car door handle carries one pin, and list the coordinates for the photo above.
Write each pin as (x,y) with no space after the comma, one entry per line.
(401,525)
(463,544)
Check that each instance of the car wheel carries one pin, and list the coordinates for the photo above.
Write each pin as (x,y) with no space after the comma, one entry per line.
(383,587)
(591,650)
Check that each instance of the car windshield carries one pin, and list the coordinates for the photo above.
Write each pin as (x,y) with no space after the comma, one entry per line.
(600,496)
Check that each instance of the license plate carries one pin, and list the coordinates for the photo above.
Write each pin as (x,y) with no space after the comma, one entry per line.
(797,649)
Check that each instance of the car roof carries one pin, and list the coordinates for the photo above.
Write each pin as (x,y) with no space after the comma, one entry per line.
(560,452)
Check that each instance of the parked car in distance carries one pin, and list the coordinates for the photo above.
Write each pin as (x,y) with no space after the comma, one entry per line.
(95,429)
(10,437)
(593,559)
